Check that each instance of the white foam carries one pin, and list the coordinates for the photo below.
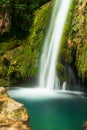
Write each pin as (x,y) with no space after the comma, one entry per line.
(41,93)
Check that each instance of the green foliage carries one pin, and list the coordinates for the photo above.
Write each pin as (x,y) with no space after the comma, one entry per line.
(3,71)
(23,55)
(11,44)
(39,26)
(21,14)
(77,50)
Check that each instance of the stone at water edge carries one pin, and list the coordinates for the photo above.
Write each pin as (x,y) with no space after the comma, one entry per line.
(13,115)
(85,125)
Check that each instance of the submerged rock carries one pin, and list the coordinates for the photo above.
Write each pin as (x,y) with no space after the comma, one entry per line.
(85,125)
(13,115)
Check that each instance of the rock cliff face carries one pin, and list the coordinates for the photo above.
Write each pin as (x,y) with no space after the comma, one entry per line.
(77,42)
(13,115)
(73,52)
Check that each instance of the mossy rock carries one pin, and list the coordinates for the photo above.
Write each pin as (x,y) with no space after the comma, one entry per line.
(74,41)
(61,72)
(62,55)
(71,54)
(77,45)
(81,61)
(39,26)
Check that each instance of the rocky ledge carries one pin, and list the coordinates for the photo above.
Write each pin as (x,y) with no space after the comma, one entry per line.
(13,115)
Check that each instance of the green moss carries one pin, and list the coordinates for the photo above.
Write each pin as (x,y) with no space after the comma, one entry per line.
(39,26)
(81,61)
(3,71)
(11,44)
(78,39)
(61,73)
(4,82)
(70,55)
(73,49)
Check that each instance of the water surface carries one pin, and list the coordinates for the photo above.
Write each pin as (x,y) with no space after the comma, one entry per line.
(56,110)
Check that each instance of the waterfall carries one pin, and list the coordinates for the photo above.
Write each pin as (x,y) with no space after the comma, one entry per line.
(64,85)
(56,83)
(52,44)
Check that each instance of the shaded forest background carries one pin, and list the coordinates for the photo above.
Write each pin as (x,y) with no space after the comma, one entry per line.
(20,14)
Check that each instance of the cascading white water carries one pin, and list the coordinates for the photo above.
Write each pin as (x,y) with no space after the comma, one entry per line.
(52,43)
(64,85)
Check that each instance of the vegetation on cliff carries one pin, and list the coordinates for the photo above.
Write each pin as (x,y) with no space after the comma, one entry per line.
(73,51)
(20,13)
(77,42)
(19,59)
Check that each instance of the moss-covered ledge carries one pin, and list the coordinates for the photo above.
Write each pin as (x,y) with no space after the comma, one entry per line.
(13,115)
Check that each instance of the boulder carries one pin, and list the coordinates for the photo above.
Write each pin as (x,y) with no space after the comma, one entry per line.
(13,115)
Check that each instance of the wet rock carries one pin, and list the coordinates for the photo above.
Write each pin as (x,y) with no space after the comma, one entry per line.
(13,115)
(85,125)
